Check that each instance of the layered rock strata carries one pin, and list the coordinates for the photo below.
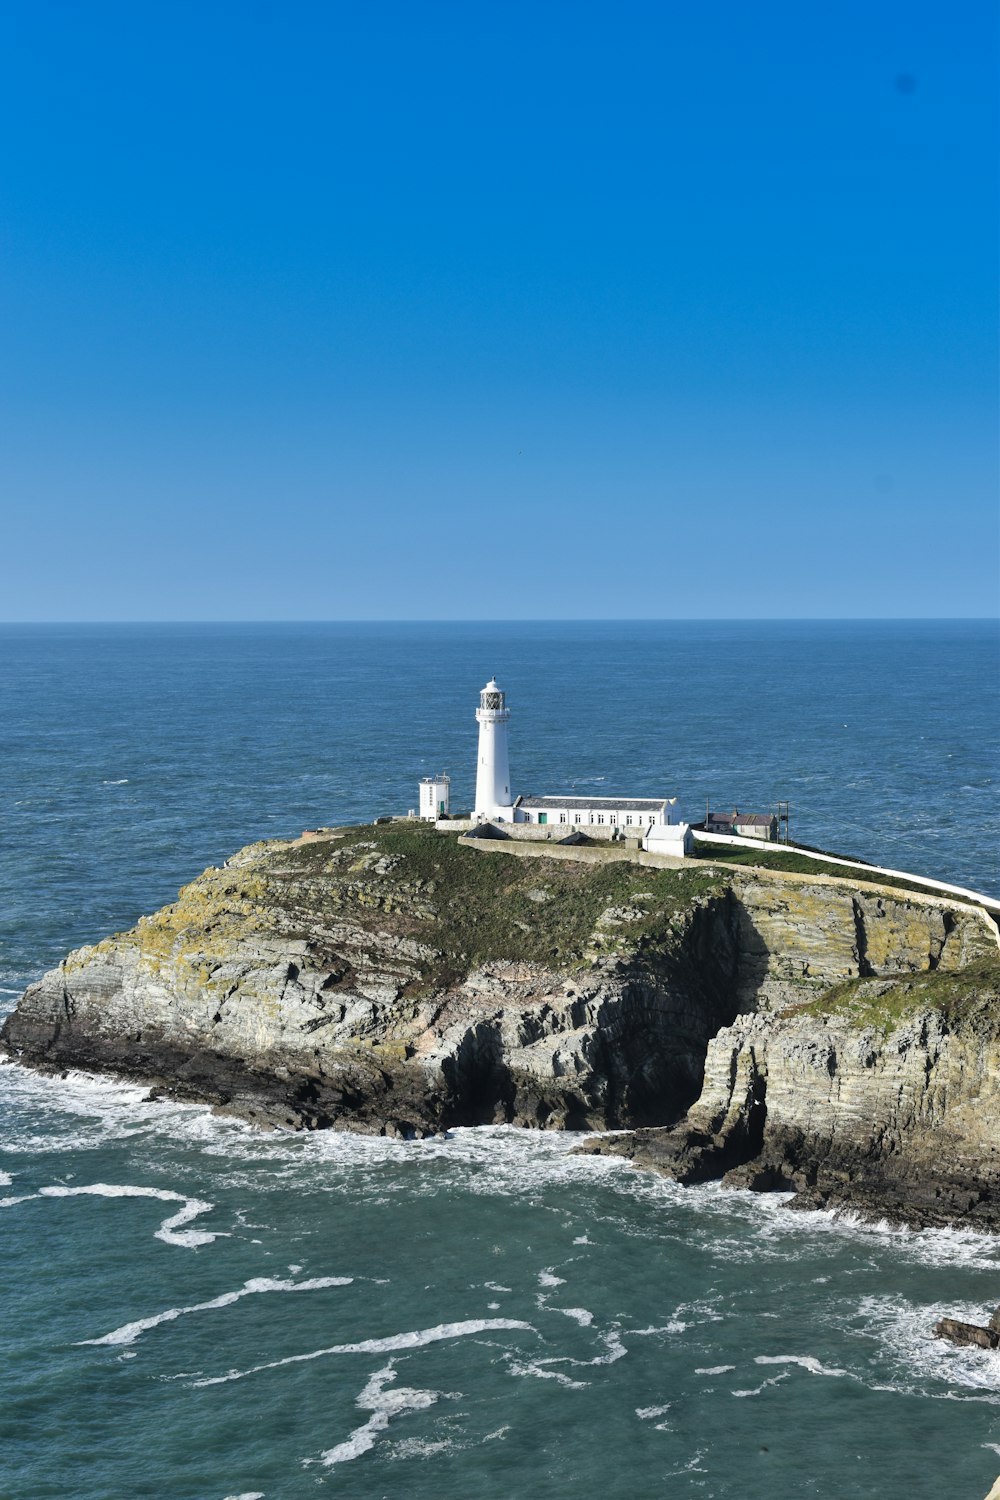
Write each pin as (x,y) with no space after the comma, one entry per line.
(882,1096)
(796,1032)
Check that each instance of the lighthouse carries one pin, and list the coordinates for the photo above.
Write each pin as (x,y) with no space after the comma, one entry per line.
(493,798)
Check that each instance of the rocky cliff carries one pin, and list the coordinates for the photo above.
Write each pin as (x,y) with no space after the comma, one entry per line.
(783,1028)
(882,1096)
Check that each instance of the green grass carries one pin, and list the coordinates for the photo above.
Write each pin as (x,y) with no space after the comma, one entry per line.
(969,995)
(774,857)
(472,906)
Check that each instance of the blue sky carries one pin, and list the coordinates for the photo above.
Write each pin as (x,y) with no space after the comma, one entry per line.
(536,311)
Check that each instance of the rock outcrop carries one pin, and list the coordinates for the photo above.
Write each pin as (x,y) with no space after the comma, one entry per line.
(882,1096)
(966,1335)
(797,1032)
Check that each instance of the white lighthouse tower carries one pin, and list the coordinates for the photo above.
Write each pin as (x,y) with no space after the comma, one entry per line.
(493,798)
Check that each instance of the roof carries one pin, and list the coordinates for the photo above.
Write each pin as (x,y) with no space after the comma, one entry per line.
(596,804)
(754,819)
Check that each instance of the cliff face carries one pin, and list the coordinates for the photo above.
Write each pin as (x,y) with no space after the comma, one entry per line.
(882,1096)
(389,979)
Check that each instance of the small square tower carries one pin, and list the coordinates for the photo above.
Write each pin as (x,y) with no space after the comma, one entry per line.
(435,797)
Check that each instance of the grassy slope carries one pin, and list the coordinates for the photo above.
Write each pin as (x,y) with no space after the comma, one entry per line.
(473,906)
(773,857)
(970,995)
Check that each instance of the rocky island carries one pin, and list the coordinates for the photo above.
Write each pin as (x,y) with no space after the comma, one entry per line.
(834,1036)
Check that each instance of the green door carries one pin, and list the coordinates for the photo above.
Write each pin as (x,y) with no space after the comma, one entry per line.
(543,817)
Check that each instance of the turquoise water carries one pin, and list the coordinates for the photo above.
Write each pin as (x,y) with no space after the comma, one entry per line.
(197,1311)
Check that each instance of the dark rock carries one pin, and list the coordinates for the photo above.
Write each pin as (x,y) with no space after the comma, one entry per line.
(966,1334)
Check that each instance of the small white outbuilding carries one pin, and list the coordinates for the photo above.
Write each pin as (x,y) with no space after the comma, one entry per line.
(670,838)
(435,797)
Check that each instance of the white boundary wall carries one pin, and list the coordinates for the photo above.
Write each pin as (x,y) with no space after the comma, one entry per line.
(762,846)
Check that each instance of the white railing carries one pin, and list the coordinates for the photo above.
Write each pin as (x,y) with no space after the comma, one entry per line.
(765,845)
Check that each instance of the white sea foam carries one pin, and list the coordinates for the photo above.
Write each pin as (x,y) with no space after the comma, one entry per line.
(756,1391)
(547,1369)
(701,1311)
(48,1111)
(122,782)
(647,1413)
(805,1360)
(775,1222)
(248,1495)
(393,1344)
(83,1112)
(547,1278)
(5,1179)
(541,1369)
(614,1350)
(714,1369)
(693,1466)
(171,1231)
(420,1448)
(927,1365)
(579,1314)
(384,1404)
(129,1332)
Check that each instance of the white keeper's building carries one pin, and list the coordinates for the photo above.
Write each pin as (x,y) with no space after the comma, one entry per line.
(623,812)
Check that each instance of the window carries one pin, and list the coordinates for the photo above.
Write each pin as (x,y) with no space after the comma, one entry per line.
(600,817)
(562,817)
(613,818)
(628,817)
(578,817)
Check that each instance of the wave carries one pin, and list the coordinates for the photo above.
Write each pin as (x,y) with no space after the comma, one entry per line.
(758,1390)
(128,1333)
(384,1404)
(83,1112)
(171,1231)
(806,1361)
(416,1339)
(933,1366)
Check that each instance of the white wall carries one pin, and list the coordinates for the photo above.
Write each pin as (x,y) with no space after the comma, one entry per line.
(581,817)
(432,794)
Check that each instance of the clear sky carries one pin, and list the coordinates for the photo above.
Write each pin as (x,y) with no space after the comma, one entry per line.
(445,310)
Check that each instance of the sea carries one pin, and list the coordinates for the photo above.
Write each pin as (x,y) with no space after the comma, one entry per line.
(194,1310)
